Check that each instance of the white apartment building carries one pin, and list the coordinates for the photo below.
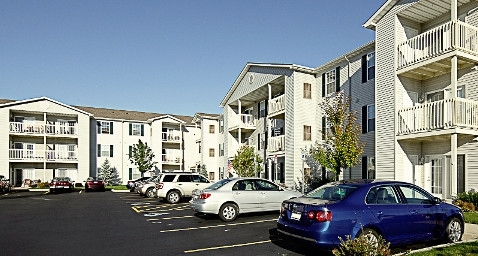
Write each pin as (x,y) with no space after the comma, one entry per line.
(47,138)
(426,93)
(210,144)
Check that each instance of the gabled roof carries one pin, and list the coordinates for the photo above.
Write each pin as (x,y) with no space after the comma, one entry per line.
(378,15)
(7,103)
(250,64)
(366,48)
(198,116)
(179,120)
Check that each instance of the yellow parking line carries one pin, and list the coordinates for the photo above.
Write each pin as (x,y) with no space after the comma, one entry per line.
(216,226)
(227,246)
(178,217)
(135,209)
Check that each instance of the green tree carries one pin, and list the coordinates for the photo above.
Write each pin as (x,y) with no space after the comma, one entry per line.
(142,156)
(109,174)
(244,163)
(341,147)
(203,170)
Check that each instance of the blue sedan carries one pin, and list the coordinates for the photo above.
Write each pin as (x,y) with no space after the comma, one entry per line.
(400,212)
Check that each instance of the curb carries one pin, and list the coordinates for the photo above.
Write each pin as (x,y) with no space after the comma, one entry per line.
(120,191)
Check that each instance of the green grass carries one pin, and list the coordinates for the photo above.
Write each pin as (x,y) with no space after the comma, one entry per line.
(117,187)
(471,217)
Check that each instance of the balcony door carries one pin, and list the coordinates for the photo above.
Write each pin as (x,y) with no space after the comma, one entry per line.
(434,169)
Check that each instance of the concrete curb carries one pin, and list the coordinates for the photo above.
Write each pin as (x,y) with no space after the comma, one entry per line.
(120,191)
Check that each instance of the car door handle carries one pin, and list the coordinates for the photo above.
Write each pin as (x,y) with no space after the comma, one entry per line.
(380,213)
(414,212)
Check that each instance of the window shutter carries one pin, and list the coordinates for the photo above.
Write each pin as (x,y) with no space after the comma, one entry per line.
(364,68)
(111,127)
(364,167)
(142,130)
(323,127)
(99,150)
(337,79)
(364,119)
(130,150)
(265,108)
(98,124)
(111,150)
(130,129)
(323,85)
(130,173)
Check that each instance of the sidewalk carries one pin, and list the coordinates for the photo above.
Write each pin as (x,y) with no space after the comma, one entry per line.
(471,232)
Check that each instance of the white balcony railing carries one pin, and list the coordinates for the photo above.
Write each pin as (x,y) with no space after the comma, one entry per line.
(457,112)
(42,155)
(437,41)
(171,158)
(277,105)
(276,143)
(245,121)
(174,136)
(39,127)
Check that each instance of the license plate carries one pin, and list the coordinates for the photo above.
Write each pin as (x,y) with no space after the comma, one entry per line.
(295,215)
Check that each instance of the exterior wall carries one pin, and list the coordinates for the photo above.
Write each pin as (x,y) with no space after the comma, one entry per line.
(208,141)
(191,152)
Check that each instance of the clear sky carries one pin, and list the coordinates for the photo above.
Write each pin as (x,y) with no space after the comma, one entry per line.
(169,57)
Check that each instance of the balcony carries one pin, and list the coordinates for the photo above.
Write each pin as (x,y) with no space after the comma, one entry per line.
(40,128)
(171,158)
(442,114)
(173,137)
(245,121)
(428,54)
(43,155)
(277,105)
(275,144)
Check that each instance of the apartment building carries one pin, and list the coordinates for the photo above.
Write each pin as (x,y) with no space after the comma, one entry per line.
(47,138)
(210,144)
(426,93)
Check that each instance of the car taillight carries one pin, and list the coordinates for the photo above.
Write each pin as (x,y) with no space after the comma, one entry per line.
(160,185)
(284,207)
(204,196)
(320,216)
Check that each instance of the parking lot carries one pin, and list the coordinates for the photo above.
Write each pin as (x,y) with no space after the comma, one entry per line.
(124,223)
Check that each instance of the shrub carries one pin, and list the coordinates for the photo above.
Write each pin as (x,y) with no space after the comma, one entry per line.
(468,197)
(361,246)
(465,206)
(43,185)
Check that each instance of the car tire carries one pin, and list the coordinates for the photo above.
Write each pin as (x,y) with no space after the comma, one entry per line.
(149,193)
(51,191)
(228,212)
(87,189)
(371,235)
(173,197)
(453,231)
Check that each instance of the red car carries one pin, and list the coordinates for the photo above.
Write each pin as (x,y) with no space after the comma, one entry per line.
(58,184)
(94,183)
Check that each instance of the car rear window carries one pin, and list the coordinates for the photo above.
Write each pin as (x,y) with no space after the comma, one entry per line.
(169,177)
(332,192)
(219,184)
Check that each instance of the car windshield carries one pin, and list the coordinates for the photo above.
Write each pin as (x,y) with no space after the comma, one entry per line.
(332,192)
(219,184)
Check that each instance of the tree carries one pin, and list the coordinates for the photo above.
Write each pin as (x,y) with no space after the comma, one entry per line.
(203,170)
(109,175)
(142,156)
(244,163)
(341,147)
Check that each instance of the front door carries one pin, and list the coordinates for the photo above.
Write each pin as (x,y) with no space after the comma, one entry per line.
(18,177)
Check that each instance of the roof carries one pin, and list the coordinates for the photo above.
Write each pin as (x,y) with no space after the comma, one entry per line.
(198,116)
(378,15)
(356,52)
(7,102)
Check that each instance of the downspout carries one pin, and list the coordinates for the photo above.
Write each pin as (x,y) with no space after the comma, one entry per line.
(350,96)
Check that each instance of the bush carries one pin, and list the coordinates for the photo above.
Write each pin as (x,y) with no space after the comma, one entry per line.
(468,197)
(361,246)
(465,206)
(43,185)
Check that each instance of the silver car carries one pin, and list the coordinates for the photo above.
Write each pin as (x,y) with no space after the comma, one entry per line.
(230,197)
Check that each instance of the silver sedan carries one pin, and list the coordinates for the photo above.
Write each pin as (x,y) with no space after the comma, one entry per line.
(230,197)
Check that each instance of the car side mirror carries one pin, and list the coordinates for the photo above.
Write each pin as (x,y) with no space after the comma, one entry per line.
(436,200)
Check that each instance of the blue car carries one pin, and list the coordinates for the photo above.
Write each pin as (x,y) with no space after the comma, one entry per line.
(400,212)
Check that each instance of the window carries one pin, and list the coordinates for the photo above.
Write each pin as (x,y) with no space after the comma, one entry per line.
(330,82)
(105,127)
(221,149)
(307,132)
(221,125)
(262,109)
(368,118)
(307,91)
(169,177)
(212,128)
(136,129)
(134,173)
(184,178)
(368,167)
(105,150)
(368,67)
(259,141)
(211,152)
(415,196)
(437,178)
(326,128)
(381,195)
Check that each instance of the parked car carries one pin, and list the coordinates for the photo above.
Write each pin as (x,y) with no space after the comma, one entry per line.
(139,184)
(400,212)
(94,183)
(177,185)
(58,184)
(131,183)
(147,188)
(230,197)
(5,185)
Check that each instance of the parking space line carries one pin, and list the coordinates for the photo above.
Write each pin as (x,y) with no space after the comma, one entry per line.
(226,246)
(216,226)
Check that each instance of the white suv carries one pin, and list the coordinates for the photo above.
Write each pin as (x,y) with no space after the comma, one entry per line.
(176,185)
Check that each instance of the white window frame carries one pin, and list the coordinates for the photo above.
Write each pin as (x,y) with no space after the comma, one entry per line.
(330,78)
(135,129)
(105,150)
(105,127)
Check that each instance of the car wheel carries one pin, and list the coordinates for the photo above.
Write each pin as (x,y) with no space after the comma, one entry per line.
(453,231)
(228,212)
(371,236)
(51,190)
(149,193)
(173,197)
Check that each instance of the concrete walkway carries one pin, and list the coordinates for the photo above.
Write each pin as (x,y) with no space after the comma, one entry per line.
(471,232)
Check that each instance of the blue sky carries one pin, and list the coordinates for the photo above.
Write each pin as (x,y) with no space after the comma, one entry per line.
(170,57)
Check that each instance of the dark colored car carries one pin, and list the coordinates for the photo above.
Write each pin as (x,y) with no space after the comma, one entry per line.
(5,185)
(63,184)
(94,183)
(400,212)
(132,183)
